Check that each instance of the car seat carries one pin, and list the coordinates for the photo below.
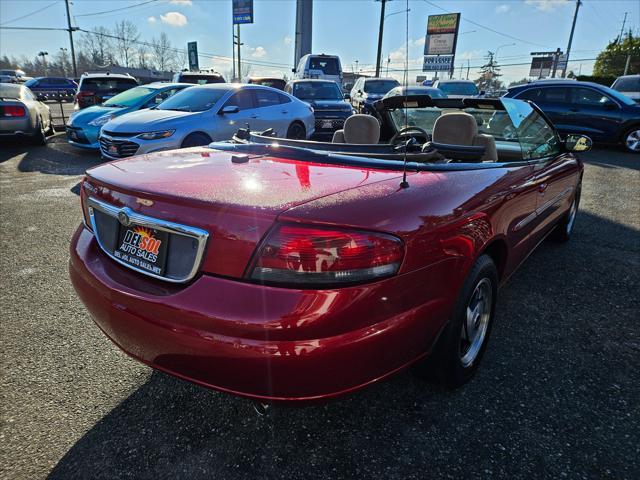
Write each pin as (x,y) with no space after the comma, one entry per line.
(460,128)
(358,129)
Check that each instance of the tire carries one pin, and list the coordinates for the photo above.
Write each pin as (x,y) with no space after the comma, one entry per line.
(51,130)
(195,140)
(40,138)
(564,229)
(296,131)
(631,139)
(457,354)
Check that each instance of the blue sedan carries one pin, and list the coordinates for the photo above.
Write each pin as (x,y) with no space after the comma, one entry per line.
(84,125)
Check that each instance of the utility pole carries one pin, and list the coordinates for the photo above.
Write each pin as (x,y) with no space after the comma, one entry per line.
(468,68)
(233,54)
(622,29)
(239,61)
(573,27)
(380,32)
(70,29)
(44,61)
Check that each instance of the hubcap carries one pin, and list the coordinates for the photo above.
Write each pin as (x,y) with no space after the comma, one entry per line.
(572,216)
(476,322)
(633,140)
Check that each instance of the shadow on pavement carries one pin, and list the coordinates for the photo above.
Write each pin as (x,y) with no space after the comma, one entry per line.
(620,158)
(56,158)
(558,376)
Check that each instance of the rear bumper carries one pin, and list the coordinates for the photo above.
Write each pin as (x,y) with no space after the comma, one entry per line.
(250,340)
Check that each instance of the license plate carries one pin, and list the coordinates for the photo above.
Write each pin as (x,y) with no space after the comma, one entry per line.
(112,149)
(327,124)
(143,247)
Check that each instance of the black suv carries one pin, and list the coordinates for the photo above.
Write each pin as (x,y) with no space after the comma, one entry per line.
(95,88)
(605,115)
(329,105)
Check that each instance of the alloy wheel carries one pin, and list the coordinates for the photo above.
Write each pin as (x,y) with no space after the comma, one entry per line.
(476,322)
(633,140)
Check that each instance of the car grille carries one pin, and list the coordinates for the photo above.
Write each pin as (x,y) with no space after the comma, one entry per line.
(336,123)
(185,244)
(118,148)
(121,134)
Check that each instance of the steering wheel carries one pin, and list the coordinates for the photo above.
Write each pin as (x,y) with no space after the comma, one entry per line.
(407,133)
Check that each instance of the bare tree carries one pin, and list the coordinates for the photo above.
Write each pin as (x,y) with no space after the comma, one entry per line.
(165,55)
(143,56)
(97,46)
(127,37)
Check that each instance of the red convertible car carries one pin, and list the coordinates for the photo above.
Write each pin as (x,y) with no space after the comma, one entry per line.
(284,270)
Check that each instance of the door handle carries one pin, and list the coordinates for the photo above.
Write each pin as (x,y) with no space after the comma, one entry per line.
(285,111)
(542,187)
(574,109)
(254,116)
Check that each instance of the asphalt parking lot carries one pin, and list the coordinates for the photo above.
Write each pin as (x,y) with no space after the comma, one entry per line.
(558,395)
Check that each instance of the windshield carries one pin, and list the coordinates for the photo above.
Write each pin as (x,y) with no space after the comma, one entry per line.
(269,82)
(432,92)
(201,79)
(458,88)
(328,66)
(379,86)
(518,126)
(129,98)
(110,85)
(317,91)
(193,99)
(627,84)
(8,90)
(621,97)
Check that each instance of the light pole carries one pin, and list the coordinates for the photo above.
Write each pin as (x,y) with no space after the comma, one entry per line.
(495,55)
(64,51)
(383,17)
(44,60)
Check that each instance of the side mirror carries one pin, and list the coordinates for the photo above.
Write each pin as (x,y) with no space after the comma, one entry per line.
(578,143)
(347,96)
(610,106)
(229,109)
(293,70)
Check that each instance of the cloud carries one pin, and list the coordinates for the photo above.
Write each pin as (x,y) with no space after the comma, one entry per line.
(419,42)
(287,40)
(471,54)
(547,5)
(175,19)
(182,2)
(504,8)
(151,19)
(258,52)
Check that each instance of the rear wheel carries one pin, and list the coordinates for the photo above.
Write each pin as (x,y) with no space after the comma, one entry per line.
(195,140)
(631,139)
(457,354)
(40,137)
(296,131)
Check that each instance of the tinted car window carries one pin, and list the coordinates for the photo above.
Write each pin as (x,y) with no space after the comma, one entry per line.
(627,84)
(129,97)
(283,98)
(107,84)
(243,99)
(329,66)
(380,86)
(269,82)
(193,99)
(266,98)
(8,90)
(590,97)
(317,91)
(201,79)
(458,88)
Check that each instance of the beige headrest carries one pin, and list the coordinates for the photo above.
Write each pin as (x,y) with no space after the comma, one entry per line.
(457,128)
(362,129)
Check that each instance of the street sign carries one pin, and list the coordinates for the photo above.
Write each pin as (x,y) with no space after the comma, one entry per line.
(242,11)
(440,63)
(562,62)
(442,32)
(192,49)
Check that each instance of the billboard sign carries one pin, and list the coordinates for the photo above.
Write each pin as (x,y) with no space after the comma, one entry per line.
(192,50)
(441,63)
(442,32)
(563,60)
(541,67)
(242,11)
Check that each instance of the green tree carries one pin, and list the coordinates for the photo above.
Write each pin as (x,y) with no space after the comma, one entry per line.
(489,79)
(611,61)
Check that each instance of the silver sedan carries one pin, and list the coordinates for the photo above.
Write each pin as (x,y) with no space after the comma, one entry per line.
(23,115)
(206,113)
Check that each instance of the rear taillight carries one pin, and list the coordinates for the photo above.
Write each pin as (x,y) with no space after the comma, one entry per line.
(13,111)
(85,188)
(85,94)
(324,257)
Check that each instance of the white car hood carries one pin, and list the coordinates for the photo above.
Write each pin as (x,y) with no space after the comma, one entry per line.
(148,121)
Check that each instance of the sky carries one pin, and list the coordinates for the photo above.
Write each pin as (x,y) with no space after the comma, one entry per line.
(348,28)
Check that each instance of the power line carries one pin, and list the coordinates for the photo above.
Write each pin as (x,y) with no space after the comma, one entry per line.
(116,9)
(32,28)
(29,14)
(488,28)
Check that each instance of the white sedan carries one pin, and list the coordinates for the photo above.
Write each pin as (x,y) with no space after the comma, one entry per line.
(201,114)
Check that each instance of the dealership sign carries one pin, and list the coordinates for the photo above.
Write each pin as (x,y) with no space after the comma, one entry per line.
(242,11)
(441,40)
(441,63)
(192,49)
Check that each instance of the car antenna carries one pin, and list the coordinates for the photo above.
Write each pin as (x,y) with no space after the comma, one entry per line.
(404,183)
